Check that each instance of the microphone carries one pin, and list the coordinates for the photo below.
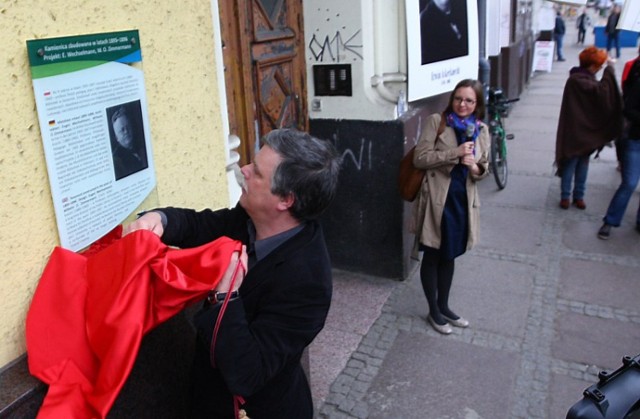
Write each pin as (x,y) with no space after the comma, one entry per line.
(471,129)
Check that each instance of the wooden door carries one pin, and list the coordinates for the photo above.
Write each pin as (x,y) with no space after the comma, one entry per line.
(265,75)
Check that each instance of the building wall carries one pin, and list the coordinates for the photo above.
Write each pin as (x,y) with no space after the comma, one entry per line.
(368,35)
(181,77)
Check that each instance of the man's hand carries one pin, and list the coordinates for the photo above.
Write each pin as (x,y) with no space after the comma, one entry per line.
(149,221)
(238,258)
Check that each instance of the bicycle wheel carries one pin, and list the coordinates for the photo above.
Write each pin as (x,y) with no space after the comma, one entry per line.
(499,159)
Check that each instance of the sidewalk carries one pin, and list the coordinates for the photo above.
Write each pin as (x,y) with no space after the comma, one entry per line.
(549,303)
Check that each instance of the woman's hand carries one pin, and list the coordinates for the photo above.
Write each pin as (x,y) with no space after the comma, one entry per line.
(238,258)
(470,161)
(465,149)
(149,221)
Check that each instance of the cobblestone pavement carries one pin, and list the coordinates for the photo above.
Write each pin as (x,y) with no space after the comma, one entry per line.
(550,304)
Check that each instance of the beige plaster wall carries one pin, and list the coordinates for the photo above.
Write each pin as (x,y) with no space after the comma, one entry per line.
(177,43)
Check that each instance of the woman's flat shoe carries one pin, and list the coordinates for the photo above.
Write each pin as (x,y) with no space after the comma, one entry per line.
(445,329)
(460,322)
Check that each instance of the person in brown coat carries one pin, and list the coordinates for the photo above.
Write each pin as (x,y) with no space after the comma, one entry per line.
(590,117)
(446,217)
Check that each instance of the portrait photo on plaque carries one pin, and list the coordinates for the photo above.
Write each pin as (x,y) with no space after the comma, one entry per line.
(128,146)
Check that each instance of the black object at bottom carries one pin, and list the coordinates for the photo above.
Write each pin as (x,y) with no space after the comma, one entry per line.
(616,395)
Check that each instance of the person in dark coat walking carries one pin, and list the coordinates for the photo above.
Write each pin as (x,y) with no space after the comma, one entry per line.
(590,117)
(629,155)
(278,308)
(558,35)
(611,29)
(582,23)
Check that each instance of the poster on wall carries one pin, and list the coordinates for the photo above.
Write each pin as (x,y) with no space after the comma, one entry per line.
(505,23)
(442,42)
(493,28)
(547,17)
(630,16)
(92,112)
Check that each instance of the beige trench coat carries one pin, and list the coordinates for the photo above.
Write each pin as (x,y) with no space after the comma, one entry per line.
(439,157)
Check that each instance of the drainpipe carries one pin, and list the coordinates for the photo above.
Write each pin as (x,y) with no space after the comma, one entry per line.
(484,67)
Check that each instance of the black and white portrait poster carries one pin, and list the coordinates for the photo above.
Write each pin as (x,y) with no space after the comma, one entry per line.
(442,41)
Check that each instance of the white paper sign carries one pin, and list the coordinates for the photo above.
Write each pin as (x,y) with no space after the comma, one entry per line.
(92,110)
(543,55)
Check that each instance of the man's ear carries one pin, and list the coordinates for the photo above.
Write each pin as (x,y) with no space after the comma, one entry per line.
(286,202)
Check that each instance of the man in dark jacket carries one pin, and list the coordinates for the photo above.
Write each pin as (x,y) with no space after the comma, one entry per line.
(613,34)
(558,35)
(582,23)
(590,117)
(281,304)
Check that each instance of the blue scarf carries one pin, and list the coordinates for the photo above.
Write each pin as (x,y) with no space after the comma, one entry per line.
(459,126)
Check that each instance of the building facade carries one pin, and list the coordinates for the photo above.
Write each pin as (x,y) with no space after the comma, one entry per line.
(212,93)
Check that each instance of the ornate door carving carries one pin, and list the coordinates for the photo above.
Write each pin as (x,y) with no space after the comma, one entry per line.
(265,76)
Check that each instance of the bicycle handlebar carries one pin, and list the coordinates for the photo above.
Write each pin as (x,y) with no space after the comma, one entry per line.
(499,106)
(502,102)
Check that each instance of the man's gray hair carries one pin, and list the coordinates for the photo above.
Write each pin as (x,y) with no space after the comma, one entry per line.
(309,171)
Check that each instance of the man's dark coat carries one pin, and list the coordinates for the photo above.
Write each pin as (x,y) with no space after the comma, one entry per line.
(284,302)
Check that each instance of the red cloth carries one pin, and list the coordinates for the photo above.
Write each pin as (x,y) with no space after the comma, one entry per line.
(626,69)
(90,312)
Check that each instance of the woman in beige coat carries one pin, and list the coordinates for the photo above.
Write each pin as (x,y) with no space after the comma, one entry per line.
(447,211)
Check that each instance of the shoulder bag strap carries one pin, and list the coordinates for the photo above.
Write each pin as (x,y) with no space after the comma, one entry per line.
(442,124)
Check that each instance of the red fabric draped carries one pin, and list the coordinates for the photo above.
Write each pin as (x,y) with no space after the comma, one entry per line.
(90,312)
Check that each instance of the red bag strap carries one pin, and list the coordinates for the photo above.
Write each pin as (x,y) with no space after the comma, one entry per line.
(223,309)
(237,400)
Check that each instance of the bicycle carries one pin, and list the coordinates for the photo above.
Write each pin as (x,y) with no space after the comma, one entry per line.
(498,108)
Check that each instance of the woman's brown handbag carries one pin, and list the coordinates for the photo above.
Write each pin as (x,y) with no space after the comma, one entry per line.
(410,177)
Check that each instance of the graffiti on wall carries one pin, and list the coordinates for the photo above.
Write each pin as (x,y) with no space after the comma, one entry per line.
(360,153)
(337,48)
(362,157)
